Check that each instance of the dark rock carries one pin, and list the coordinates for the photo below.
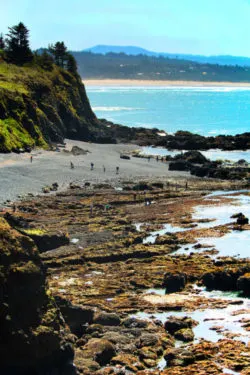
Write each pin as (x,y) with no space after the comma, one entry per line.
(167,239)
(147,339)
(76,151)
(102,351)
(180,165)
(158,185)
(48,241)
(142,186)
(193,156)
(16,220)
(174,282)
(243,284)
(179,357)
(222,279)
(75,316)
(134,323)
(242,220)
(184,334)
(175,324)
(33,338)
(126,157)
(54,186)
(107,319)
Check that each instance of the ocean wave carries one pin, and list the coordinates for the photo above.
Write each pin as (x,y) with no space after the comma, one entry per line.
(115,109)
(150,89)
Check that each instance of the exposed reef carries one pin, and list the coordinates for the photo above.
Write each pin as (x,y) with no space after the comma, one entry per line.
(109,280)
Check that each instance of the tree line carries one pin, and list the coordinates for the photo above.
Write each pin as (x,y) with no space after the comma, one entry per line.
(15,49)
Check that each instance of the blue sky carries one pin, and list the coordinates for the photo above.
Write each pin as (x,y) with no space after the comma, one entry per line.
(178,26)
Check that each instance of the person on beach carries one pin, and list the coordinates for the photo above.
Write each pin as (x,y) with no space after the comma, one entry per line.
(31,158)
(71,165)
(157,158)
(91,166)
(117,170)
(91,209)
(148,158)
(104,169)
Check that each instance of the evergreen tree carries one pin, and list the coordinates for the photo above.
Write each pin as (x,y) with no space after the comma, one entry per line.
(59,51)
(44,60)
(17,49)
(2,43)
(71,64)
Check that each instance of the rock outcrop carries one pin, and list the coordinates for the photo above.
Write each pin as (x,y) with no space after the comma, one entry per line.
(174,282)
(33,338)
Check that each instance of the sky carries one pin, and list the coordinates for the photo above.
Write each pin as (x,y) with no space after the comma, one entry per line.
(207,27)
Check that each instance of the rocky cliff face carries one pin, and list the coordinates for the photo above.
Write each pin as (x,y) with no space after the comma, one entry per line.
(33,338)
(38,107)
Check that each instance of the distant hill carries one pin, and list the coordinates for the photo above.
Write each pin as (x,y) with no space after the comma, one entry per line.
(128,50)
(123,66)
(133,50)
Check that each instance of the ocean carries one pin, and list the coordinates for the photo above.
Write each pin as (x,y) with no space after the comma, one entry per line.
(208,111)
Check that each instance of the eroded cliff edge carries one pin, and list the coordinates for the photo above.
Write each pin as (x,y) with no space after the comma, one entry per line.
(38,107)
(33,337)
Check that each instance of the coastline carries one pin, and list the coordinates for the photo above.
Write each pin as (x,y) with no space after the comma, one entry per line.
(138,83)
(48,167)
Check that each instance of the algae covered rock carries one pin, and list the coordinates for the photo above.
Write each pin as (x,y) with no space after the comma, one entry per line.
(222,279)
(33,335)
(75,316)
(175,324)
(107,319)
(243,283)
(179,357)
(185,334)
(100,350)
(174,282)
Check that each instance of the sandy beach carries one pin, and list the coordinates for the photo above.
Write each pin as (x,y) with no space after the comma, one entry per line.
(129,82)
(19,176)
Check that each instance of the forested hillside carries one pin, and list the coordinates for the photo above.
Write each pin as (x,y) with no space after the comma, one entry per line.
(122,66)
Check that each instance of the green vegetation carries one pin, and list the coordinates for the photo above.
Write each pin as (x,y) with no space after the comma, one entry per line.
(122,66)
(42,98)
(17,45)
(34,231)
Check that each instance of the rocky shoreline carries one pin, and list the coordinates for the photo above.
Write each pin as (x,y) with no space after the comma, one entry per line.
(110,255)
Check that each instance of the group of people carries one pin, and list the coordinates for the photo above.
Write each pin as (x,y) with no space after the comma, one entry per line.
(92,167)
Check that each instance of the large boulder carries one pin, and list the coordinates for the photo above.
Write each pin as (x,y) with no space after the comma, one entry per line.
(174,282)
(221,279)
(175,324)
(100,350)
(243,284)
(193,156)
(179,165)
(241,218)
(33,338)
(179,357)
(107,319)
(184,334)
(75,316)
(76,151)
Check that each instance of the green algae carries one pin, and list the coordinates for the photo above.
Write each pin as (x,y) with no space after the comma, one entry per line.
(34,231)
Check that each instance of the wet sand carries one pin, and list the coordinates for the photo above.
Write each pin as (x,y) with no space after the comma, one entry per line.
(19,176)
(134,82)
